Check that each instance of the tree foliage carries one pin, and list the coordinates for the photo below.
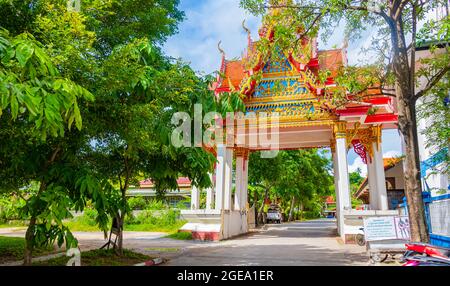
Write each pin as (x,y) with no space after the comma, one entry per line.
(99,70)
(300,177)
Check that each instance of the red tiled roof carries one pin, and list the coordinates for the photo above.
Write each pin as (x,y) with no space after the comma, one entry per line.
(183,181)
(330,200)
(234,73)
(331,60)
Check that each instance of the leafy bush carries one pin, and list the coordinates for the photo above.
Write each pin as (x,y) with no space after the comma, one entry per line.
(156,205)
(10,208)
(183,235)
(137,203)
(184,204)
(161,221)
(85,222)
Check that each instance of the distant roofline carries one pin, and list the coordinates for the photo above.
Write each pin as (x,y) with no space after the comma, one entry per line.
(426,45)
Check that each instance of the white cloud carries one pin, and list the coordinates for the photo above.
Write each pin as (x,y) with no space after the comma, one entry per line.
(208,23)
(359,164)
(392,154)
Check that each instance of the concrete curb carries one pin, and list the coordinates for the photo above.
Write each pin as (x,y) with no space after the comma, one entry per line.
(152,262)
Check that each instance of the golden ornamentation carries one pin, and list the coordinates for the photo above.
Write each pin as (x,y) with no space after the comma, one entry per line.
(365,136)
(340,130)
(333,146)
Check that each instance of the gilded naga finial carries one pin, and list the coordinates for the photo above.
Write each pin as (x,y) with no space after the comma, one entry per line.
(220,48)
(246,29)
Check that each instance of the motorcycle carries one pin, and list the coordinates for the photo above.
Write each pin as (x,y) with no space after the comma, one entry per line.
(422,254)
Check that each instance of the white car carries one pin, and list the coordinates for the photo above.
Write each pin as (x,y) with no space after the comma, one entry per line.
(273,215)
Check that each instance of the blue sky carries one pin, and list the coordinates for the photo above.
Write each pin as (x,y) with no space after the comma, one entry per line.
(210,21)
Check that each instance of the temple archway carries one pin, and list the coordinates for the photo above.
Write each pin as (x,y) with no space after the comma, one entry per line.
(302,114)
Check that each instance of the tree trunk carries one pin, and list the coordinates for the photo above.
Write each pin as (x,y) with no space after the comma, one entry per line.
(300,209)
(408,127)
(121,220)
(413,187)
(291,210)
(261,209)
(29,237)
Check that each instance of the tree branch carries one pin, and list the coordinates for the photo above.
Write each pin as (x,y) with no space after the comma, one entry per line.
(432,82)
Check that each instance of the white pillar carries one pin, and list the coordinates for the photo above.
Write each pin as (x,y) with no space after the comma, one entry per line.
(245,184)
(381,193)
(238,195)
(343,200)
(210,195)
(220,178)
(336,185)
(228,179)
(372,178)
(195,198)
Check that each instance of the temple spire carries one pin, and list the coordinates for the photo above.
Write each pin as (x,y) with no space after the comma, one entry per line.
(249,35)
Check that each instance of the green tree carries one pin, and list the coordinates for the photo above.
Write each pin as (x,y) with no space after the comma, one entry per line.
(44,85)
(300,179)
(396,19)
(40,108)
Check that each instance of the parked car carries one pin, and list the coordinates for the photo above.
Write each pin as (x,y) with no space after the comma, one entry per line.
(273,214)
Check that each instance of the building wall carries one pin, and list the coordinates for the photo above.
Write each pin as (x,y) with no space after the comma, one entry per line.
(397,173)
(438,203)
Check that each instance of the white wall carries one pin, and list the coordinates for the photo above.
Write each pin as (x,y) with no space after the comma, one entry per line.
(397,173)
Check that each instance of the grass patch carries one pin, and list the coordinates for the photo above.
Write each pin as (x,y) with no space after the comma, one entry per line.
(147,221)
(183,235)
(171,228)
(12,249)
(13,224)
(100,257)
(79,225)
(168,249)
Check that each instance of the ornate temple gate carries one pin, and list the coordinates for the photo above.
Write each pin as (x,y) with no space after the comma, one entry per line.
(302,116)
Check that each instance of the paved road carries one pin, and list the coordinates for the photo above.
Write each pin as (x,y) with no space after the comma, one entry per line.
(297,243)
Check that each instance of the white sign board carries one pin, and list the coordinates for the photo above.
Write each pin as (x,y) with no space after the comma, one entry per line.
(386,227)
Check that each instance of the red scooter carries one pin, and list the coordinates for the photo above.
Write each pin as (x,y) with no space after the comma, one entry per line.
(421,254)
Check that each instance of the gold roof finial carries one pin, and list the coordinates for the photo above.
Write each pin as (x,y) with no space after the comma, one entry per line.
(246,29)
(220,48)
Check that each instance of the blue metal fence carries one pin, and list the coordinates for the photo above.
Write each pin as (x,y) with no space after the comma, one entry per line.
(435,239)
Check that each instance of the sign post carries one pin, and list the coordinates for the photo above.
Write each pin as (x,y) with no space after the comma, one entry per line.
(386,235)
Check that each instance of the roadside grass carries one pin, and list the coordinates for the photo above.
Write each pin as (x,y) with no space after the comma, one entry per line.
(85,227)
(78,225)
(180,235)
(100,257)
(12,249)
(173,228)
(13,224)
(162,249)
(145,222)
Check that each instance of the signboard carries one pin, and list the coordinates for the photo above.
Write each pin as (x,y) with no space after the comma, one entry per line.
(386,228)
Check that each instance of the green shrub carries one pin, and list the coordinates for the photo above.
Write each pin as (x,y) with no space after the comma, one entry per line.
(156,205)
(183,235)
(163,221)
(137,203)
(10,208)
(184,204)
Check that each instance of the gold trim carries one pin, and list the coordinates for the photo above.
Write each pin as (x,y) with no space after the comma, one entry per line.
(340,130)
(333,146)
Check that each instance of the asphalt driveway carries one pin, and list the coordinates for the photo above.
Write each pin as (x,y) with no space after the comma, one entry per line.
(297,243)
